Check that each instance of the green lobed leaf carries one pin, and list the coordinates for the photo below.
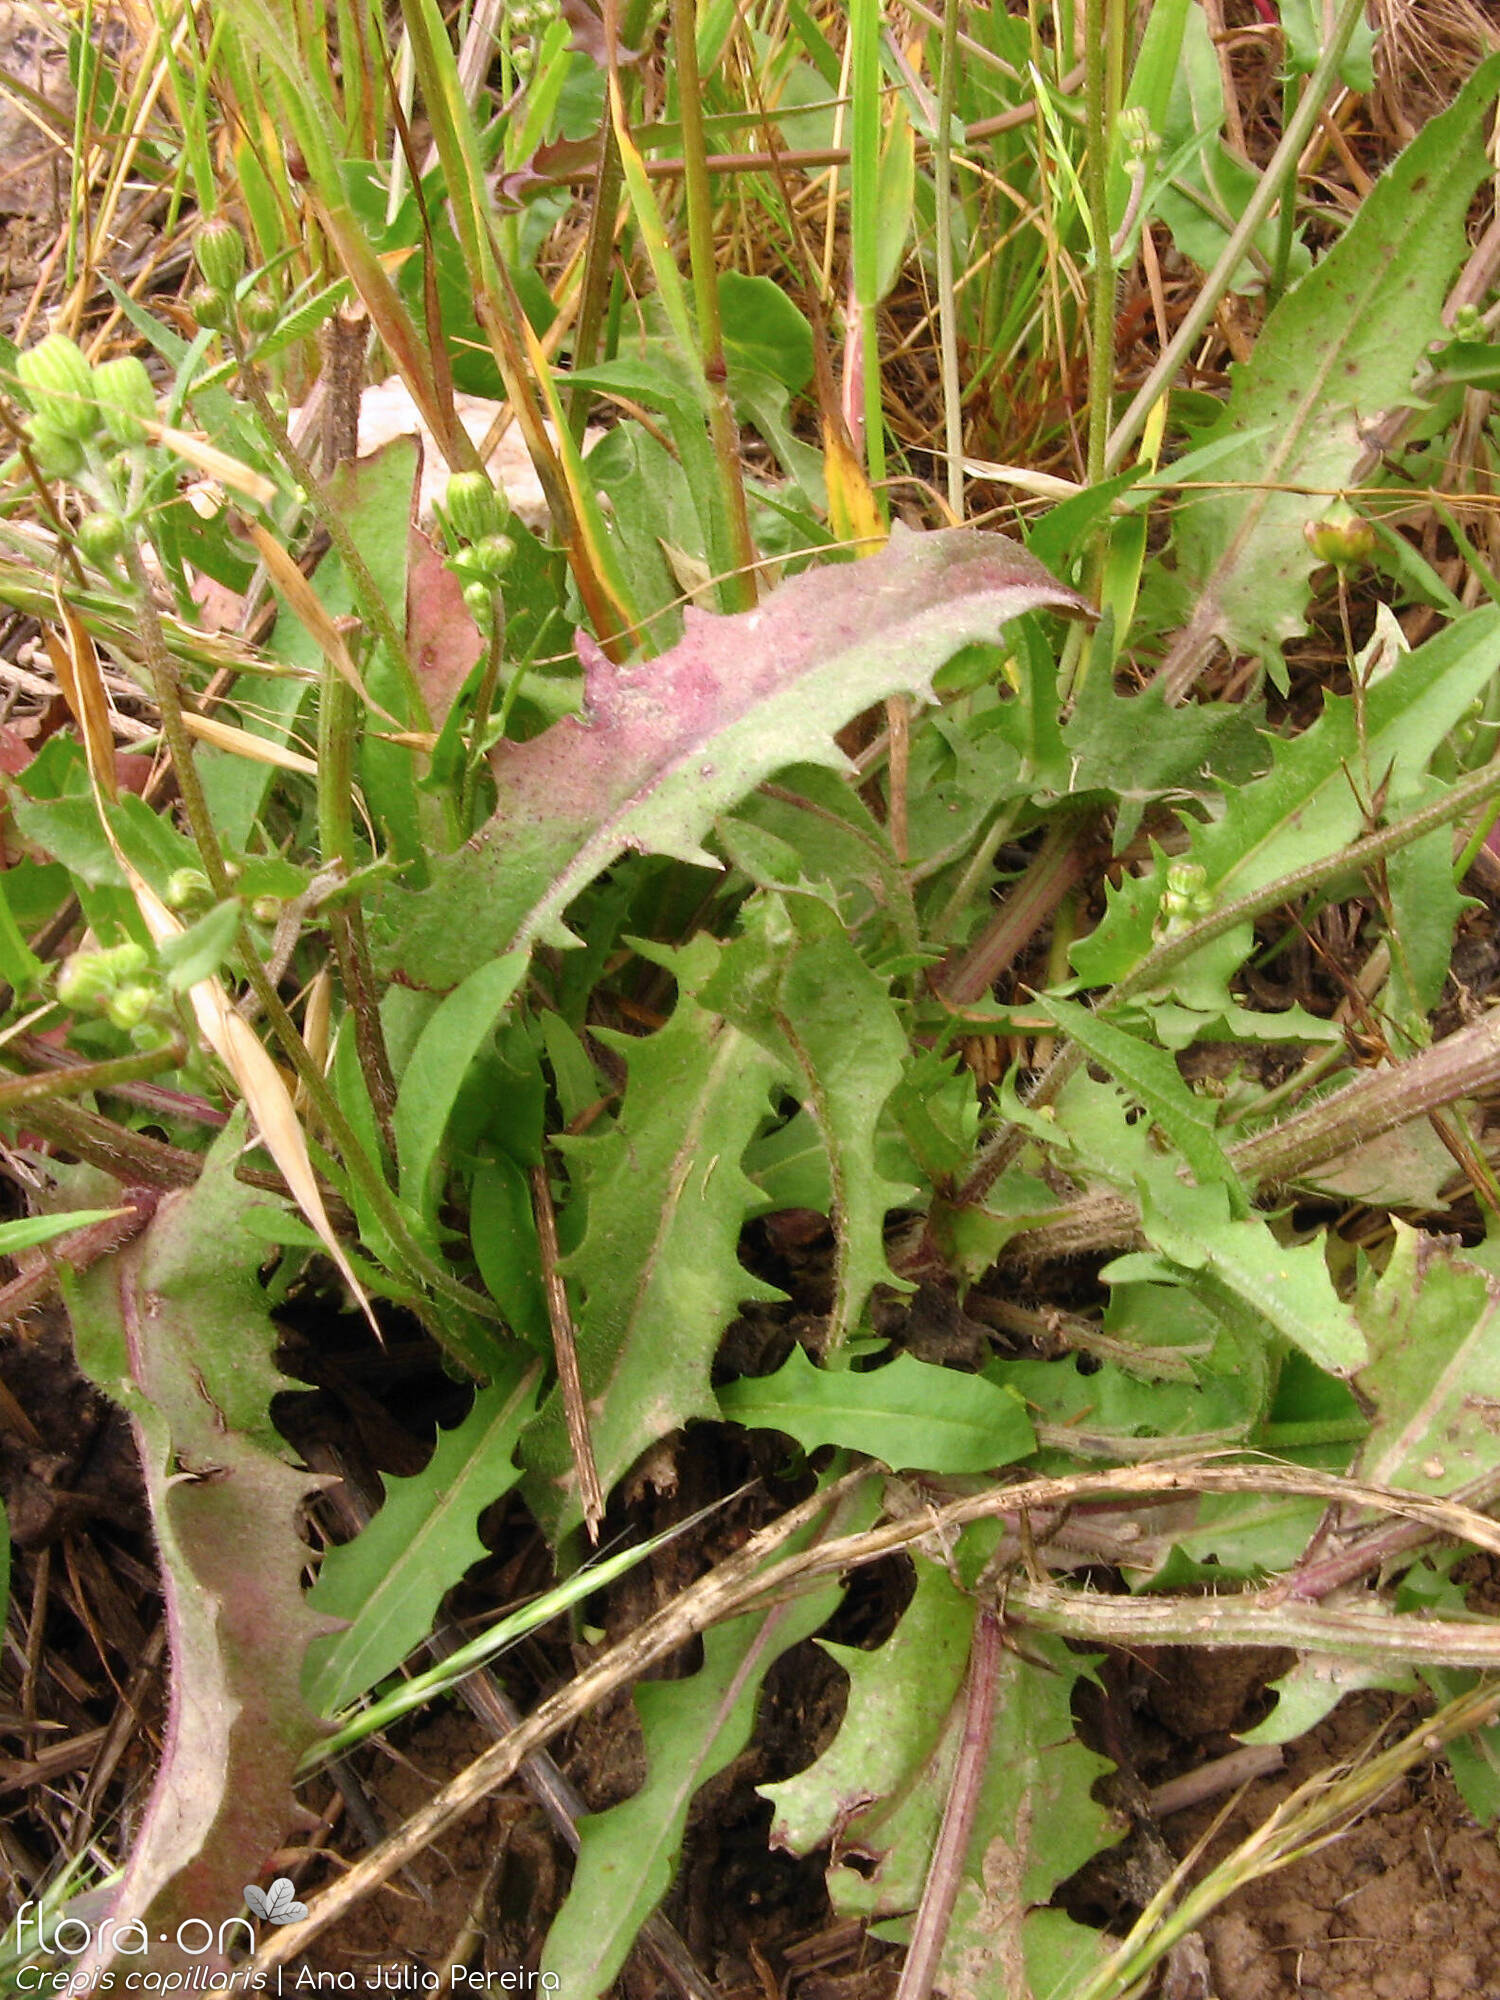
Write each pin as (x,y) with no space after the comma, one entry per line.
(877,1794)
(1036,1824)
(1425,907)
(1154,1080)
(1111,1413)
(656,1279)
(388,1582)
(908,1414)
(901,1699)
(1141,748)
(1229,1539)
(176,1329)
(825,823)
(1433,1323)
(691,1730)
(1342,345)
(1304,808)
(1316,1685)
(795,983)
(1285,1286)
(935,1105)
(671,743)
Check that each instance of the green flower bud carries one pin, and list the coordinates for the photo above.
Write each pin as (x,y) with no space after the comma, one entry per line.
(1188,898)
(129,1005)
(127,402)
(186,886)
(1141,143)
(89,977)
(219,250)
(60,384)
(259,309)
(211,308)
(101,536)
(80,982)
(493,557)
(266,909)
(483,562)
(481,602)
(1468,323)
(1340,536)
(472,506)
(59,455)
(1188,881)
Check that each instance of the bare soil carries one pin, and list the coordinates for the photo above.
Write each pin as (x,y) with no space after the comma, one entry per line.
(1406,1906)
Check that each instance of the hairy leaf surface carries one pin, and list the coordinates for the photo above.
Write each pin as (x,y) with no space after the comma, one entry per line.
(175,1328)
(670,743)
(1285,1286)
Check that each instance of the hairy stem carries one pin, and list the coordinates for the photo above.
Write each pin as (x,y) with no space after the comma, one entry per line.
(373,608)
(942,179)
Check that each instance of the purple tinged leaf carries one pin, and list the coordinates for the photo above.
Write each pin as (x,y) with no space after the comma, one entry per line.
(176,1329)
(668,744)
(591,35)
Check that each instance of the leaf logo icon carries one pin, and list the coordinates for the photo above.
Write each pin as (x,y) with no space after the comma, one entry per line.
(278,1904)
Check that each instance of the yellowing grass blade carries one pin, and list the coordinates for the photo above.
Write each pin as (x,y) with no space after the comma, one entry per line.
(217,464)
(227,1033)
(239,1048)
(240,742)
(77,668)
(852,507)
(307,606)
